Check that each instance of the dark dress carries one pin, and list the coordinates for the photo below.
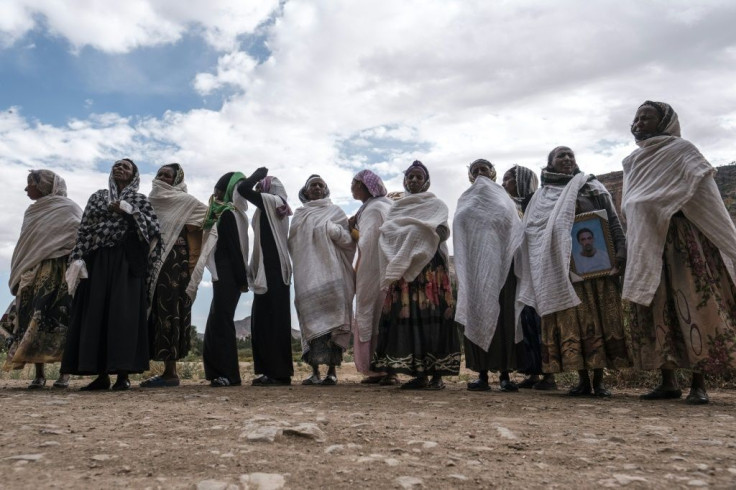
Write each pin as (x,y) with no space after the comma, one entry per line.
(220,349)
(417,334)
(108,333)
(504,354)
(170,322)
(270,317)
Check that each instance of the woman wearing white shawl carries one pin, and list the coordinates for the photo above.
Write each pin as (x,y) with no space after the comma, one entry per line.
(486,233)
(322,251)
(269,276)
(37,270)
(170,321)
(417,334)
(225,254)
(368,188)
(582,324)
(682,244)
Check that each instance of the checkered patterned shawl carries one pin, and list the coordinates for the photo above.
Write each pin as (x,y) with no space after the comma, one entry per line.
(102,228)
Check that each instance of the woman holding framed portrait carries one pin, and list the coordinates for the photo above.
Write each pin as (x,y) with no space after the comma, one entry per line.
(582,324)
(682,246)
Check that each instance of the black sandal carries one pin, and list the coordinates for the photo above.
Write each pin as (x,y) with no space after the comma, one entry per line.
(98,384)
(121,385)
(479,385)
(415,384)
(580,390)
(697,396)
(436,384)
(659,393)
(220,382)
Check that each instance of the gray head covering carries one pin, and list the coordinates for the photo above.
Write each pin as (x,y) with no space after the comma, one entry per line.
(527,181)
(48,183)
(481,161)
(303,191)
(416,164)
(669,122)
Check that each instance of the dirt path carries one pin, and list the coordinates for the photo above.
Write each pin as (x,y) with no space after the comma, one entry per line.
(355,435)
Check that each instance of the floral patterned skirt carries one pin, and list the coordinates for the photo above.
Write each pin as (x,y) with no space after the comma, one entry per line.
(417,334)
(41,317)
(691,322)
(587,336)
(170,322)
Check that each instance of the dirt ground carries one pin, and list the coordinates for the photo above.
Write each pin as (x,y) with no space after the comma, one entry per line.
(353,435)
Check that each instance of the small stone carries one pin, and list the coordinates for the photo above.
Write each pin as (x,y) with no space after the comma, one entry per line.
(409,481)
(212,485)
(458,476)
(624,480)
(631,467)
(322,420)
(732,471)
(101,457)
(262,434)
(25,457)
(262,481)
(697,483)
(334,448)
(425,444)
(701,466)
(618,440)
(49,443)
(307,430)
(392,461)
(506,433)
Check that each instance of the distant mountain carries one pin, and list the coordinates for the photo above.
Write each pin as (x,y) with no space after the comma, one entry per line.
(242,328)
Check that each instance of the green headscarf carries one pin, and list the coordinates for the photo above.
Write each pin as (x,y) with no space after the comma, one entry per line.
(216,207)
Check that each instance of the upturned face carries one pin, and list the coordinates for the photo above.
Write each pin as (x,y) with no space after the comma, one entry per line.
(32,189)
(414,180)
(563,161)
(122,172)
(316,190)
(482,169)
(509,183)
(166,174)
(645,122)
(219,194)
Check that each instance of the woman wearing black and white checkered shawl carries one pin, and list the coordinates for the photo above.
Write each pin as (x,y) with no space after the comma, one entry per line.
(117,242)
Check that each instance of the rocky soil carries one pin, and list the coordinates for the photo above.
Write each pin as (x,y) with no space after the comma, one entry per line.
(353,435)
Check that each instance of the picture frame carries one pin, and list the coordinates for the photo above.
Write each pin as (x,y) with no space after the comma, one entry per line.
(593,254)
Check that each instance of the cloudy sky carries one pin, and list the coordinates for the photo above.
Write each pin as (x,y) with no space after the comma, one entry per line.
(308,86)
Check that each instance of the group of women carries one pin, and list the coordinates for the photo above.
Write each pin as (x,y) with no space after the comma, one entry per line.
(107,290)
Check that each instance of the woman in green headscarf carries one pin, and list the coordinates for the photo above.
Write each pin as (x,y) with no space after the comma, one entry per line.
(225,254)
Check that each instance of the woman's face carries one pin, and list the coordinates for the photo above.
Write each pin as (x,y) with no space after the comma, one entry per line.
(166,174)
(219,194)
(563,162)
(509,183)
(316,190)
(482,169)
(122,172)
(415,180)
(359,190)
(645,122)
(32,189)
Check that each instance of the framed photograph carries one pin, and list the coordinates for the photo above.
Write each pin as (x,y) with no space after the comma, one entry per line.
(593,254)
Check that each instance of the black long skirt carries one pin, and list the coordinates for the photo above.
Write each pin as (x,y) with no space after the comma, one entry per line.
(417,333)
(220,349)
(108,333)
(504,354)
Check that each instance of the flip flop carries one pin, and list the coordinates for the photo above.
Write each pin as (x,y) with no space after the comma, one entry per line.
(313,380)
(329,380)
(37,383)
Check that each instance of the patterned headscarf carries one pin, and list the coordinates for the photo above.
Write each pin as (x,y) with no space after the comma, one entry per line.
(669,123)
(481,161)
(527,181)
(372,182)
(178,174)
(303,191)
(129,190)
(216,207)
(417,164)
(48,183)
(272,185)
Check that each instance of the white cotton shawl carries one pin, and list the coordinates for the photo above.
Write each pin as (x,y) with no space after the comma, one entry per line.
(542,262)
(486,232)
(174,209)
(280,229)
(665,175)
(409,236)
(368,294)
(322,252)
(209,245)
(49,231)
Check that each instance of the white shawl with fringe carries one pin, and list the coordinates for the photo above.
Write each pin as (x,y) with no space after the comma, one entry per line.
(209,245)
(665,175)
(368,294)
(49,231)
(409,237)
(322,252)
(174,209)
(542,262)
(486,232)
(280,230)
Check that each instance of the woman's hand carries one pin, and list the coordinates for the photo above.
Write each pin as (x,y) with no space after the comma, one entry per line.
(351,223)
(115,207)
(259,174)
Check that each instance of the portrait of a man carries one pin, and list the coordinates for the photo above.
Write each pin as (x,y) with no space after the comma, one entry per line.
(589,258)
